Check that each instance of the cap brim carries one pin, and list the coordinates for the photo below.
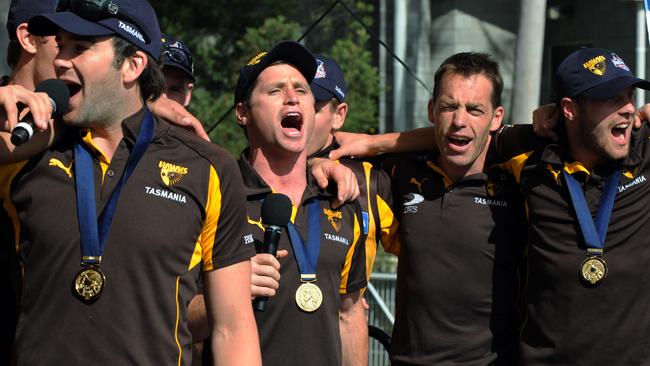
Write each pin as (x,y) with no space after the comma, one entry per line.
(321,93)
(613,87)
(49,24)
(169,63)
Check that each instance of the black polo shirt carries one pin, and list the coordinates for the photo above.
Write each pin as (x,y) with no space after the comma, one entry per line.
(376,200)
(457,279)
(180,211)
(288,335)
(567,321)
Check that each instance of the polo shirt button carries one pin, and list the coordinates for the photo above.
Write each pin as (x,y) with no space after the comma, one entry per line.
(110,172)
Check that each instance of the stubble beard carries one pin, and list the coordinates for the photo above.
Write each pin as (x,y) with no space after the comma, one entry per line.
(101,104)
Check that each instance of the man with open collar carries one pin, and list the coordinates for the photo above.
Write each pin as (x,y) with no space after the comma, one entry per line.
(114,290)
(587,198)
(275,106)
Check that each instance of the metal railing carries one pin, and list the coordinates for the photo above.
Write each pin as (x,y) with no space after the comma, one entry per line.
(381,299)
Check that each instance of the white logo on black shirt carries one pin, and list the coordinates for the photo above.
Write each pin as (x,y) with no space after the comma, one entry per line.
(637,180)
(166,194)
(337,238)
(410,202)
(490,202)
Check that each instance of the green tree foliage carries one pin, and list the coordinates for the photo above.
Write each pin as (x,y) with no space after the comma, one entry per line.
(224,35)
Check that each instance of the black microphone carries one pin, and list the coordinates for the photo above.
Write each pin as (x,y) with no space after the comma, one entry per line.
(276,212)
(59,97)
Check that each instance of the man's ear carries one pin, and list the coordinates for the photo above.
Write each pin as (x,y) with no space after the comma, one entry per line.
(430,111)
(339,116)
(242,111)
(188,95)
(133,66)
(497,118)
(27,40)
(568,108)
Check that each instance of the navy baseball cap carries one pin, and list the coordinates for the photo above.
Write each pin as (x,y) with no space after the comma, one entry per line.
(288,51)
(176,54)
(20,11)
(133,20)
(596,73)
(329,81)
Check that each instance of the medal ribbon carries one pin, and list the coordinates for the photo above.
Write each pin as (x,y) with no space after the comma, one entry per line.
(593,233)
(307,254)
(94,231)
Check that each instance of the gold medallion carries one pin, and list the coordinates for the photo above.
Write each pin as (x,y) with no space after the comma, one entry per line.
(309,297)
(89,283)
(593,270)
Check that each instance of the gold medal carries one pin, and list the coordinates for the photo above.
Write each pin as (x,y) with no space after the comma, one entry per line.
(593,270)
(89,283)
(309,297)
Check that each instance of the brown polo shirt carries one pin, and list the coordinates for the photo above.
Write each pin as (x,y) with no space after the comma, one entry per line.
(181,210)
(376,202)
(288,335)
(568,322)
(457,275)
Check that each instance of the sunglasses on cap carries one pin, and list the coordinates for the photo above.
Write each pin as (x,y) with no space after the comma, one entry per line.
(179,56)
(94,10)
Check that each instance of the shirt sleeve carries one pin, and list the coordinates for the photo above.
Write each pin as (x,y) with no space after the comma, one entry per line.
(353,275)
(222,236)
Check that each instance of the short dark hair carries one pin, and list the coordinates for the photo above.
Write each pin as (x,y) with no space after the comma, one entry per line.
(468,64)
(152,80)
(13,53)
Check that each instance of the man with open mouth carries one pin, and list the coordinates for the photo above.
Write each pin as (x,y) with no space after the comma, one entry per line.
(314,314)
(107,275)
(588,288)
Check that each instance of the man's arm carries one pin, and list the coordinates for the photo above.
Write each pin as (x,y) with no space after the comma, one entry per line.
(353,326)
(228,302)
(175,113)
(358,144)
(347,186)
(197,319)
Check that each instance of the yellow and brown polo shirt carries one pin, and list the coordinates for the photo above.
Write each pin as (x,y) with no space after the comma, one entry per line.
(288,335)
(180,211)
(568,322)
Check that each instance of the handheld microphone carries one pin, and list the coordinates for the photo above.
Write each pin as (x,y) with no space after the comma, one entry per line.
(276,212)
(59,97)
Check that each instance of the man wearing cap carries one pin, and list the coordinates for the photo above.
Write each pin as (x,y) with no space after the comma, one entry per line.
(107,276)
(587,196)
(30,58)
(178,68)
(330,90)
(315,316)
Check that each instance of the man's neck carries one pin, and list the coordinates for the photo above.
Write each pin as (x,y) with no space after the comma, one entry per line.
(286,174)
(108,134)
(23,76)
(456,173)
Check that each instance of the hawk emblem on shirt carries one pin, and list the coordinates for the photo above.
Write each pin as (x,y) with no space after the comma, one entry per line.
(170,173)
(334,218)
